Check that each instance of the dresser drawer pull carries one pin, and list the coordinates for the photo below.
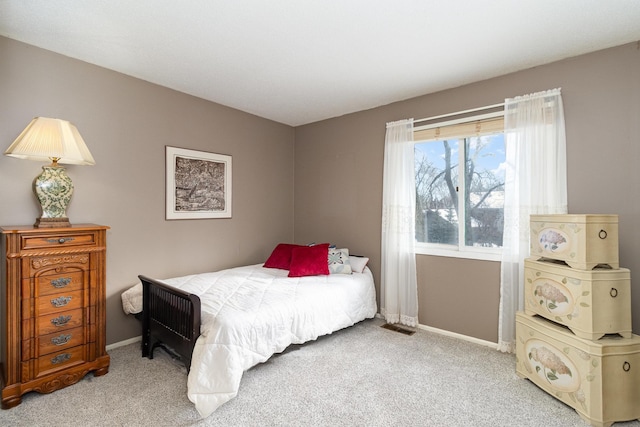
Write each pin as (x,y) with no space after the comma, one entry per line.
(61,320)
(61,282)
(626,366)
(613,292)
(60,301)
(61,358)
(61,240)
(61,340)
(602,234)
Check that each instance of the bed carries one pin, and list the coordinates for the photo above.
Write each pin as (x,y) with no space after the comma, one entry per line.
(223,323)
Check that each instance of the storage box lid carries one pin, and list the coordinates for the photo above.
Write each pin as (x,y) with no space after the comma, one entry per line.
(608,345)
(576,218)
(600,272)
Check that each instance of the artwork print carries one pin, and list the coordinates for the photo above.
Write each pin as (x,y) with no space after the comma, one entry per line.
(198,184)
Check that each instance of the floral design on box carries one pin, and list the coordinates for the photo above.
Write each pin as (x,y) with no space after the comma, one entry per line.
(552,240)
(556,298)
(553,296)
(555,368)
(552,366)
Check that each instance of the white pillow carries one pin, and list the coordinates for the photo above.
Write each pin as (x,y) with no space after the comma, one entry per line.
(339,261)
(358,263)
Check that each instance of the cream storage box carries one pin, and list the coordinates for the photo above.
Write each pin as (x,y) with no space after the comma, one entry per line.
(599,379)
(582,241)
(591,303)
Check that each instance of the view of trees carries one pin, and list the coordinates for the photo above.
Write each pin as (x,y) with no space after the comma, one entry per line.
(438,210)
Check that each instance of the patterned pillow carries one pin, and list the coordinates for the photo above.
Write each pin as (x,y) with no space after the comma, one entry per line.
(339,261)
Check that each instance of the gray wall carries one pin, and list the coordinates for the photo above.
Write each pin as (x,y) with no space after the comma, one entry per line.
(126,124)
(336,166)
(338,175)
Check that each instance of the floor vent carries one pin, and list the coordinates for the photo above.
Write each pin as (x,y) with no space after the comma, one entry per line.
(397,328)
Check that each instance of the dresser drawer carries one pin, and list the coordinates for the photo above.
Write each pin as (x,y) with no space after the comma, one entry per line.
(582,241)
(599,379)
(592,303)
(57,303)
(56,322)
(55,263)
(58,240)
(59,341)
(60,282)
(60,360)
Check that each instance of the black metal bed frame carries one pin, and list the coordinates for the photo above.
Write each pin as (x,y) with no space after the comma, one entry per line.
(170,318)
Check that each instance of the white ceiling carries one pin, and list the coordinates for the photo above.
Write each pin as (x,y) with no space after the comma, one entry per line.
(301,61)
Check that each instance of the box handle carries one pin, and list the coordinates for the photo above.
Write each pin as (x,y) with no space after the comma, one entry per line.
(613,292)
(602,234)
(626,366)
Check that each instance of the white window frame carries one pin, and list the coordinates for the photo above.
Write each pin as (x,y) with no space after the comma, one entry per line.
(460,250)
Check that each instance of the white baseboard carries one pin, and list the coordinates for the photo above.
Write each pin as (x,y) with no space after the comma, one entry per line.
(424,327)
(453,335)
(459,336)
(123,343)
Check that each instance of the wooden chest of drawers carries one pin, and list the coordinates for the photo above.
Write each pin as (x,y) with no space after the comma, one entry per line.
(599,379)
(582,241)
(592,303)
(53,299)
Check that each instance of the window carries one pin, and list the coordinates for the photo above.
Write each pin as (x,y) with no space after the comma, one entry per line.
(460,187)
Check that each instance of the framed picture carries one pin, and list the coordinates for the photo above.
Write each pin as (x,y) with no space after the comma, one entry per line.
(198,184)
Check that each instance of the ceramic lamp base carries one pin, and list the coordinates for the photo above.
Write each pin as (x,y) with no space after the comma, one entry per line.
(54,188)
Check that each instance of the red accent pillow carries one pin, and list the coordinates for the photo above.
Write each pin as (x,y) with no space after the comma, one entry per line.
(309,260)
(280,257)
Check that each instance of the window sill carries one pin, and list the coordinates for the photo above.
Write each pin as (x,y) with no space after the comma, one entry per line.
(454,253)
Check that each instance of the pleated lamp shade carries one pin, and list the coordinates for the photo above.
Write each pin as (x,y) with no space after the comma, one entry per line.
(45,139)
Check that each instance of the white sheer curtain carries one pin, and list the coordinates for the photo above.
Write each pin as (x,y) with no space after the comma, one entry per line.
(535,183)
(398,285)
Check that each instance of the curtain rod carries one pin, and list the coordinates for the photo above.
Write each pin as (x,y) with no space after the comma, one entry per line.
(488,107)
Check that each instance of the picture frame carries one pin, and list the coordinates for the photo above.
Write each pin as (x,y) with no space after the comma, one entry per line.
(198,184)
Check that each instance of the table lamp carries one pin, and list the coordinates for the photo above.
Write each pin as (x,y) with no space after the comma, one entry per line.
(57,140)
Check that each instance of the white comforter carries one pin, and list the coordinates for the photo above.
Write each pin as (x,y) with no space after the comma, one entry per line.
(250,313)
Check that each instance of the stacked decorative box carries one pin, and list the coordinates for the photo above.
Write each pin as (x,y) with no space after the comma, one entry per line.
(574,337)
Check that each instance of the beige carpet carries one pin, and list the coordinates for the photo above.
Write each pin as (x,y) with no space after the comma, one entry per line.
(361,376)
